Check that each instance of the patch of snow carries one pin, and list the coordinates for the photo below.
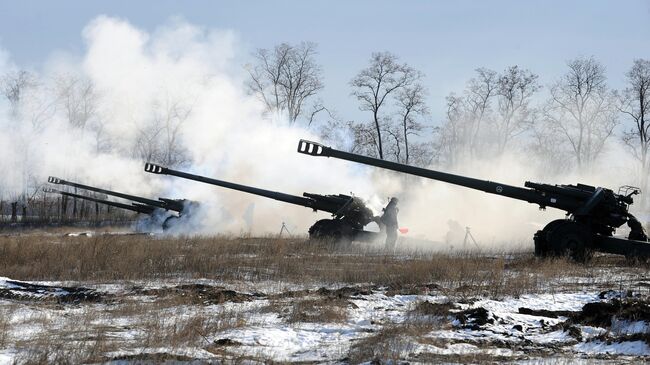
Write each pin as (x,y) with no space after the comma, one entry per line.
(635,348)
(624,327)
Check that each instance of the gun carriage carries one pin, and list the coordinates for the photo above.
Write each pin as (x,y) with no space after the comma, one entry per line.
(349,214)
(592,213)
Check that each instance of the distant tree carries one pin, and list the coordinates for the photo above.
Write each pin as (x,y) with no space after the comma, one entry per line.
(635,104)
(515,88)
(372,87)
(411,108)
(14,86)
(78,99)
(31,100)
(462,133)
(285,78)
(582,109)
(479,93)
(159,140)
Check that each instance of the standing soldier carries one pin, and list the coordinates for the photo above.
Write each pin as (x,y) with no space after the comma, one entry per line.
(389,221)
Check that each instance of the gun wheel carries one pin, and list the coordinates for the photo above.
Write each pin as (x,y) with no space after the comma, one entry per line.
(573,239)
(170,222)
(541,238)
(329,229)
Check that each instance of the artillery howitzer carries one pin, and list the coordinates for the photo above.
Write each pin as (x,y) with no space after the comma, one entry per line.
(593,213)
(141,205)
(349,214)
(134,207)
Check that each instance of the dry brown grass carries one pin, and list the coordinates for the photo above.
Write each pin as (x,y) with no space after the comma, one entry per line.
(395,342)
(292,260)
(92,333)
(6,313)
(319,311)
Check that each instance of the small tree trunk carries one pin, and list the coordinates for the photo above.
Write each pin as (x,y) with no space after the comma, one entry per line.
(14,208)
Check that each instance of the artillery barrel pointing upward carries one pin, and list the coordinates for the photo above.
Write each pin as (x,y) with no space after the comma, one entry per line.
(288,198)
(144,209)
(514,192)
(155,203)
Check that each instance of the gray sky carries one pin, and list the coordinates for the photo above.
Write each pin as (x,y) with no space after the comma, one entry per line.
(445,40)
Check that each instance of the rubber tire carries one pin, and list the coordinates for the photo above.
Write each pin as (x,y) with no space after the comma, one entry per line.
(541,238)
(330,229)
(170,222)
(573,239)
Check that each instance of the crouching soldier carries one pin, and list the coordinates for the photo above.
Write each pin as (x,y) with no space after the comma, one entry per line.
(636,229)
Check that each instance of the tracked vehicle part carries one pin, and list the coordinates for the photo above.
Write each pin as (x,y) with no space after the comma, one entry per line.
(349,214)
(593,213)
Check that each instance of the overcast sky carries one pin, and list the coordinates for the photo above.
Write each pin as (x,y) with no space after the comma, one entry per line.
(445,40)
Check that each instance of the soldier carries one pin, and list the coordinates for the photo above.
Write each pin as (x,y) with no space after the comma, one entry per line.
(389,221)
(636,229)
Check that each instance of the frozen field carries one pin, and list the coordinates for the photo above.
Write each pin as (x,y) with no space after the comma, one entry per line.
(143,299)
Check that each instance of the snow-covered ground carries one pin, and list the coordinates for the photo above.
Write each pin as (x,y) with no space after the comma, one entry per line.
(204,320)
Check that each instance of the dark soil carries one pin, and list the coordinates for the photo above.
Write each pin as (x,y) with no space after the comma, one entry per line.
(434,309)
(203,294)
(474,318)
(58,294)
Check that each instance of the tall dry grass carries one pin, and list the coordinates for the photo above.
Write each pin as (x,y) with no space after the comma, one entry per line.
(286,260)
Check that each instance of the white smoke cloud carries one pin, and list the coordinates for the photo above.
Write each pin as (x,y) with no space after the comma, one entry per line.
(138,75)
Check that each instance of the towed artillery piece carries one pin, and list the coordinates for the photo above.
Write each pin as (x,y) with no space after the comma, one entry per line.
(134,207)
(592,213)
(138,204)
(349,214)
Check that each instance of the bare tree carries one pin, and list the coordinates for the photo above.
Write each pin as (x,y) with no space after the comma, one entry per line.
(451,136)
(78,98)
(14,85)
(374,84)
(159,140)
(515,87)
(412,106)
(463,134)
(479,93)
(286,77)
(582,109)
(635,104)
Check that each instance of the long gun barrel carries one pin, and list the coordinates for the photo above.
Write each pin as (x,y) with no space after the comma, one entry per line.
(167,204)
(307,201)
(144,209)
(542,198)
(593,213)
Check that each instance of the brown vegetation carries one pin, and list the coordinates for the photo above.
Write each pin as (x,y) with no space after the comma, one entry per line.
(102,258)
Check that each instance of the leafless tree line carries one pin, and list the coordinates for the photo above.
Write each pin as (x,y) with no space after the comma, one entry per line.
(566,124)
(495,111)
(36,101)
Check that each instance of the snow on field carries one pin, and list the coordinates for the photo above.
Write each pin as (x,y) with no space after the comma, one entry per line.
(494,329)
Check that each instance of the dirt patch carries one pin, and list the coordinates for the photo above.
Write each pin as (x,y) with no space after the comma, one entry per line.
(410,289)
(344,293)
(319,311)
(434,309)
(201,294)
(225,342)
(546,313)
(601,313)
(474,318)
(155,358)
(24,291)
